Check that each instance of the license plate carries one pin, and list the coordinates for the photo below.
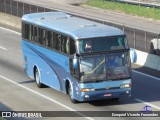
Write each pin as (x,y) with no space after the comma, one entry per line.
(107,95)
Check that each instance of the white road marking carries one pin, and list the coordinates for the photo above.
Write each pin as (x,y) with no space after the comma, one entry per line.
(146,103)
(146,75)
(3,48)
(46,97)
(10,30)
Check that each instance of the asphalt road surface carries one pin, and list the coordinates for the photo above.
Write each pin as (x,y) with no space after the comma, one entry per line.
(20,93)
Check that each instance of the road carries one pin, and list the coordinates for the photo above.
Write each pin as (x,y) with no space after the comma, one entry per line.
(20,93)
(99,14)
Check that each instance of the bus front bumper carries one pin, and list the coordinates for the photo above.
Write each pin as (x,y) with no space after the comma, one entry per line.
(100,95)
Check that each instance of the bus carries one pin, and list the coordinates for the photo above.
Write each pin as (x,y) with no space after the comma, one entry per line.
(84,59)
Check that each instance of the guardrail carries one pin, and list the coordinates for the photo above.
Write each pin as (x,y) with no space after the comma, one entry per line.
(138,39)
(151,5)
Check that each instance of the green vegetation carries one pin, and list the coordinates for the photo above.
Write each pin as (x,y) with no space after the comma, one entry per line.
(146,12)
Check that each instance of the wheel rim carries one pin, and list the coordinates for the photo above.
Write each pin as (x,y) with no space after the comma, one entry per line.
(70,92)
(37,77)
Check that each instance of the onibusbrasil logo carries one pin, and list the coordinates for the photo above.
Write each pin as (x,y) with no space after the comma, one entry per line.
(146,109)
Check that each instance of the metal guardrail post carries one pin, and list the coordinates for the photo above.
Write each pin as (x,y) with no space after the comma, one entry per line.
(123,28)
(30,9)
(139,5)
(5,7)
(134,38)
(37,9)
(145,42)
(158,42)
(17,9)
(11,6)
(23,9)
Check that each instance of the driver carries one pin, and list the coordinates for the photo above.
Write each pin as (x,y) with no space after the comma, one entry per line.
(88,47)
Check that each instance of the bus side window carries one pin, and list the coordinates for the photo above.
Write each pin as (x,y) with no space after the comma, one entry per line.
(64,42)
(23,30)
(44,37)
(40,36)
(58,42)
(72,47)
(35,34)
(31,33)
(49,39)
(53,40)
(26,36)
(68,46)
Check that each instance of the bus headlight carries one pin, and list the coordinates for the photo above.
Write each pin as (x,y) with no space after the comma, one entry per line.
(125,86)
(87,89)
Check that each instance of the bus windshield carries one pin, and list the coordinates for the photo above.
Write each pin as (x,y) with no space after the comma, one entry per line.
(102,44)
(103,67)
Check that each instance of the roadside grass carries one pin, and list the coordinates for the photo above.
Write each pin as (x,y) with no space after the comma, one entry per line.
(141,11)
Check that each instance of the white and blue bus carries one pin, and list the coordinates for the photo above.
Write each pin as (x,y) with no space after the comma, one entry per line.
(82,58)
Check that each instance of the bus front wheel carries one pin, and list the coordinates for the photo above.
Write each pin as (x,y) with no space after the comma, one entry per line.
(37,78)
(70,94)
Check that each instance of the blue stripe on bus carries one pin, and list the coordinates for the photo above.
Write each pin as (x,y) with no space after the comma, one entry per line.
(48,61)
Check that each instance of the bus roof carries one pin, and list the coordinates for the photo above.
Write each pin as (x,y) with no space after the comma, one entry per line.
(76,27)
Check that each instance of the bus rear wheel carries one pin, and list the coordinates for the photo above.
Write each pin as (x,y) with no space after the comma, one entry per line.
(37,78)
(70,95)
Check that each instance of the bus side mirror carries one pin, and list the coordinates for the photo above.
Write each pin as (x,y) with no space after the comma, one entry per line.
(158,36)
(75,61)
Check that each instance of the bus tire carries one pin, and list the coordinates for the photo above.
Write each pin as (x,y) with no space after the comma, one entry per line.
(37,78)
(70,95)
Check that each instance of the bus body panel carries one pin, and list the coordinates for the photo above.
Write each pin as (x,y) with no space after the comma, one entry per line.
(105,90)
(105,94)
(54,67)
